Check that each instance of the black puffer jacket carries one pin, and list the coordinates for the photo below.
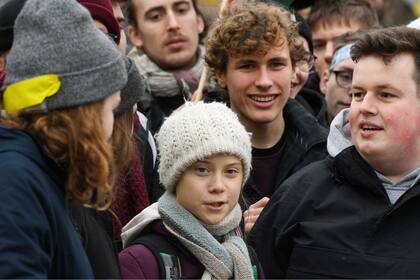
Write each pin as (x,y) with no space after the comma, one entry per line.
(314,102)
(307,145)
(334,219)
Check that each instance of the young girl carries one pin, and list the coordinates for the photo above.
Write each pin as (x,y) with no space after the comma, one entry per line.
(193,230)
(63,83)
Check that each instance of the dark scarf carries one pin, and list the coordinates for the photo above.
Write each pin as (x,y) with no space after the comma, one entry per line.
(130,196)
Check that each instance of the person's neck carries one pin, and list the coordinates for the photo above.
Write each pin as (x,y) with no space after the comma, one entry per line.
(394,172)
(265,135)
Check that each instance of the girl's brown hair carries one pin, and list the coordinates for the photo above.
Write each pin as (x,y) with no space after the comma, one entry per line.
(74,137)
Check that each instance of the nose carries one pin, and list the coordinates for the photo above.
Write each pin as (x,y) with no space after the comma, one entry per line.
(216,184)
(172,21)
(329,50)
(264,80)
(368,105)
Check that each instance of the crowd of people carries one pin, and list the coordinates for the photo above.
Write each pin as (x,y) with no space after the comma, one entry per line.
(302,159)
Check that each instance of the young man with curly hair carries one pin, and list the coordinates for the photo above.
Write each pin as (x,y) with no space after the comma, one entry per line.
(252,51)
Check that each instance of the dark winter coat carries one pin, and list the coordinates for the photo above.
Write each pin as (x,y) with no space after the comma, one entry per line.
(37,238)
(95,229)
(307,145)
(314,103)
(334,219)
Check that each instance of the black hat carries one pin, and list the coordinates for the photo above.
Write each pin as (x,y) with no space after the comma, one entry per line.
(295,4)
(301,4)
(305,31)
(9,11)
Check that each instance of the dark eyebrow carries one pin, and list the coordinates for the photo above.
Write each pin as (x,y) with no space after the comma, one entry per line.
(154,9)
(378,87)
(386,86)
(279,58)
(345,69)
(246,60)
(162,8)
(357,87)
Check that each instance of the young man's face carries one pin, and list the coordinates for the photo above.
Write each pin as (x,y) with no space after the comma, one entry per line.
(259,86)
(385,113)
(337,92)
(168,32)
(324,39)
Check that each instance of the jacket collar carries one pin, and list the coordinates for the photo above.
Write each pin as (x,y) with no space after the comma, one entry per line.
(20,141)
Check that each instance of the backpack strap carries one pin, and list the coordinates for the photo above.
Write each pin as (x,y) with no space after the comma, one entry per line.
(254,262)
(165,252)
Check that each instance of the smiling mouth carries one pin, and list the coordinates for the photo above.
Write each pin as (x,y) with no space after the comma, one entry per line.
(263,98)
(370,128)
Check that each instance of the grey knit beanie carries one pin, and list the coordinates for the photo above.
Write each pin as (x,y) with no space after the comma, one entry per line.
(59,37)
(133,90)
(196,132)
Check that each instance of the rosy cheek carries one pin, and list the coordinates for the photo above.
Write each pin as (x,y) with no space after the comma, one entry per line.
(404,125)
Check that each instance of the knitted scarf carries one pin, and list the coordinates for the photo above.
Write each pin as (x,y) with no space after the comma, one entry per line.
(226,260)
(162,83)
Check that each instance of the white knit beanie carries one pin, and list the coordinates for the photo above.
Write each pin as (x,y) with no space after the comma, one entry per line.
(196,132)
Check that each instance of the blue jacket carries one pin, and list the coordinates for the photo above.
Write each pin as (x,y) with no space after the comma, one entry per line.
(37,238)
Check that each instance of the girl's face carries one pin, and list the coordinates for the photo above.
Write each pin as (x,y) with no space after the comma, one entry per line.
(110,103)
(210,189)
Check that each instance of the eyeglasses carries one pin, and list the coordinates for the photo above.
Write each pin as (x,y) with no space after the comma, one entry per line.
(306,63)
(343,78)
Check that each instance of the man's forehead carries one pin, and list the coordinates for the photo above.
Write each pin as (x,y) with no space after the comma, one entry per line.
(332,29)
(280,51)
(347,64)
(147,5)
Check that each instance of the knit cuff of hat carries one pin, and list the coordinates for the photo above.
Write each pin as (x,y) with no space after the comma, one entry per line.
(217,146)
(77,93)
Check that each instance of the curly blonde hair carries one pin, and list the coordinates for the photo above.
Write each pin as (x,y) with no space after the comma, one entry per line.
(246,29)
(74,137)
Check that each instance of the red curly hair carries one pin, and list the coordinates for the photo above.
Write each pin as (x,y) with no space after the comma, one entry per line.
(75,138)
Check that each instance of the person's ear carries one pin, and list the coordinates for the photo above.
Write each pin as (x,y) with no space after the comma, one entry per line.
(134,36)
(324,81)
(200,24)
(220,77)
